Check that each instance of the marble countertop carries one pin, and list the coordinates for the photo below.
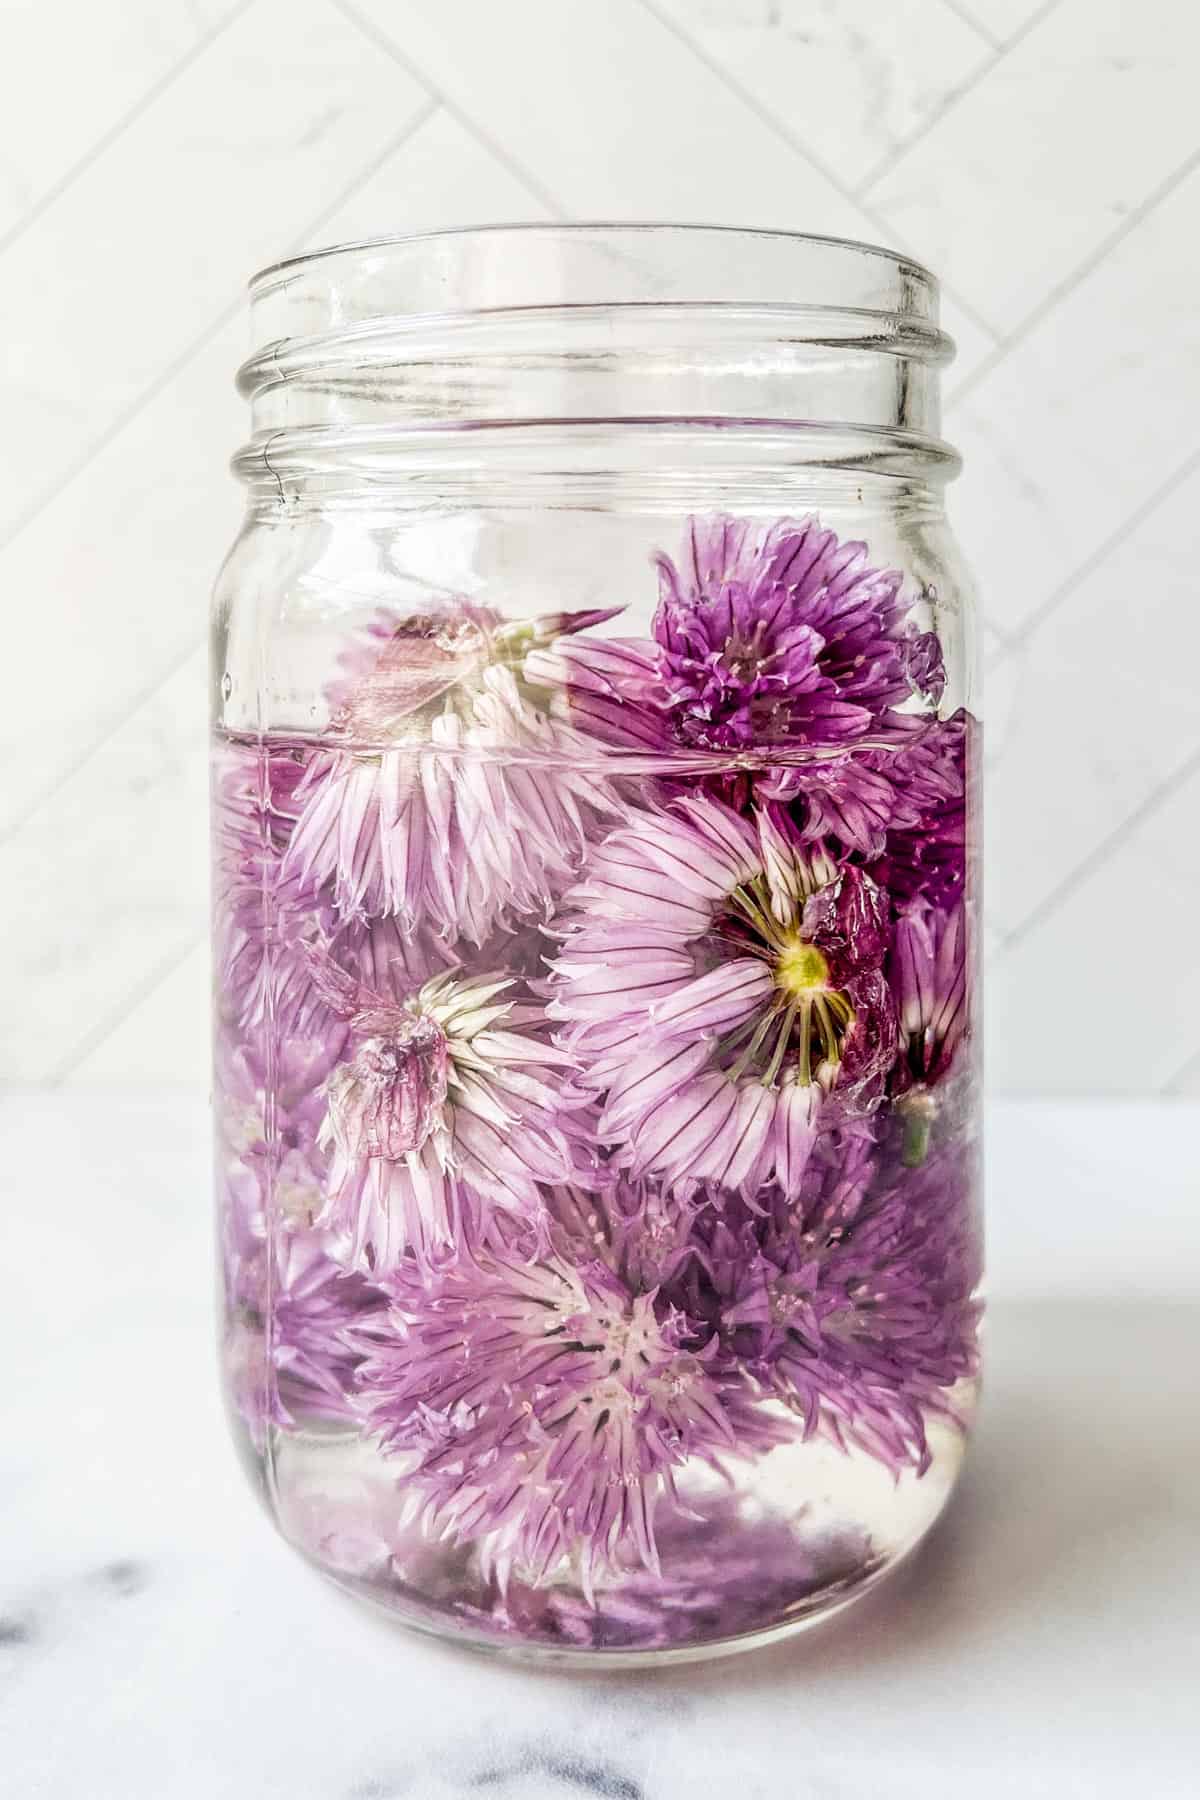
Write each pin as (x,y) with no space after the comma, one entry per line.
(157,1640)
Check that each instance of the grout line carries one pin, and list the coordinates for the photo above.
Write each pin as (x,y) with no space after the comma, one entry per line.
(1062,289)
(422,116)
(1146,808)
(153,93)
(396,142)
(114,430)
(210,331)
(877,221)
(1129,524)
(887,164)
(387,45)
(968,18)
(92,1039)
(1004,638)
(1170,1088)
(132,705)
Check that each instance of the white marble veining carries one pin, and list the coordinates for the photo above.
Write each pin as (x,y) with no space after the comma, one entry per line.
(61,106)
(1069,437)
(616,115)
(1029,172)
(1147,586)
(1002,19)
(1073,1009)
(157,1639)
(1039,152)
(853,79)
(125,838)
(202,181)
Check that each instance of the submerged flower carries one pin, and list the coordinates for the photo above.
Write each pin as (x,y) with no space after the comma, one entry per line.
(928,967)
(261,916)
(442,1113)
(640,1229)
(766,636)
(861,796)
(545,1406)
(928,971)
(453,801)
(715,978)
(926,854)
(269,1110)
(287,1346)
(728,1566)
(855,1305)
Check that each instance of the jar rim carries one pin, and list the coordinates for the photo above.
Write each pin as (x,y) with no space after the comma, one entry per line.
(558,323)
(608,232)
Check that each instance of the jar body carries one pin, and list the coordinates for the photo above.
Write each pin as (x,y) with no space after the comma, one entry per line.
(596,1089)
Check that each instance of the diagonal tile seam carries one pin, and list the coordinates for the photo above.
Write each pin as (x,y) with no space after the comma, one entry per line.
(797,144)
(1172,1086)
(394,143)
(956,96)
(96,1035)
(493,145)
(1024,634)
(162,380)
(113,1020)
(554,206)
(976,25)
(1004,345)
(154,92)
(1060,291)
(1146,808)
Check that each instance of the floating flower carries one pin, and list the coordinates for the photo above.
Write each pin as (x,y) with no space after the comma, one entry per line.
(715,978)
(441,1115)
(545,1406)
(766,636)
(855,1305)
(453,800)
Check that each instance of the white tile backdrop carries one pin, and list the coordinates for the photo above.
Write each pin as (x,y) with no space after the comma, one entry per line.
(1045,158)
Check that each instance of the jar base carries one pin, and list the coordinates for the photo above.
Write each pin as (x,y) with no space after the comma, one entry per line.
(746,1558)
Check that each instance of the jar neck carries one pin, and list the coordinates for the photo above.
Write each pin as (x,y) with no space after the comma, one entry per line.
(380,360)
(616,465)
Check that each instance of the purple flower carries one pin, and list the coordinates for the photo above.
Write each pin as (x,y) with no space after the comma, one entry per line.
(287,1346)
(766,635)
(445,1112)
(728,1568)
(855,1306)
(926,851)
(855,799)
(455,801)
(544,1407)
(641,1230)
(715,978)
(928,971)
(261,917)
(282,1169)
(402,665)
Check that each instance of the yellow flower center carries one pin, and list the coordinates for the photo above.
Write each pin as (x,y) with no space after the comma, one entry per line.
(801,970)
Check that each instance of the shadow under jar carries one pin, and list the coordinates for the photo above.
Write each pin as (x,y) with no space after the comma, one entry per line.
(596,1088)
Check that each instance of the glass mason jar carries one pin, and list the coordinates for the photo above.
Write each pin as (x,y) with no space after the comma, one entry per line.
(596,1087)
